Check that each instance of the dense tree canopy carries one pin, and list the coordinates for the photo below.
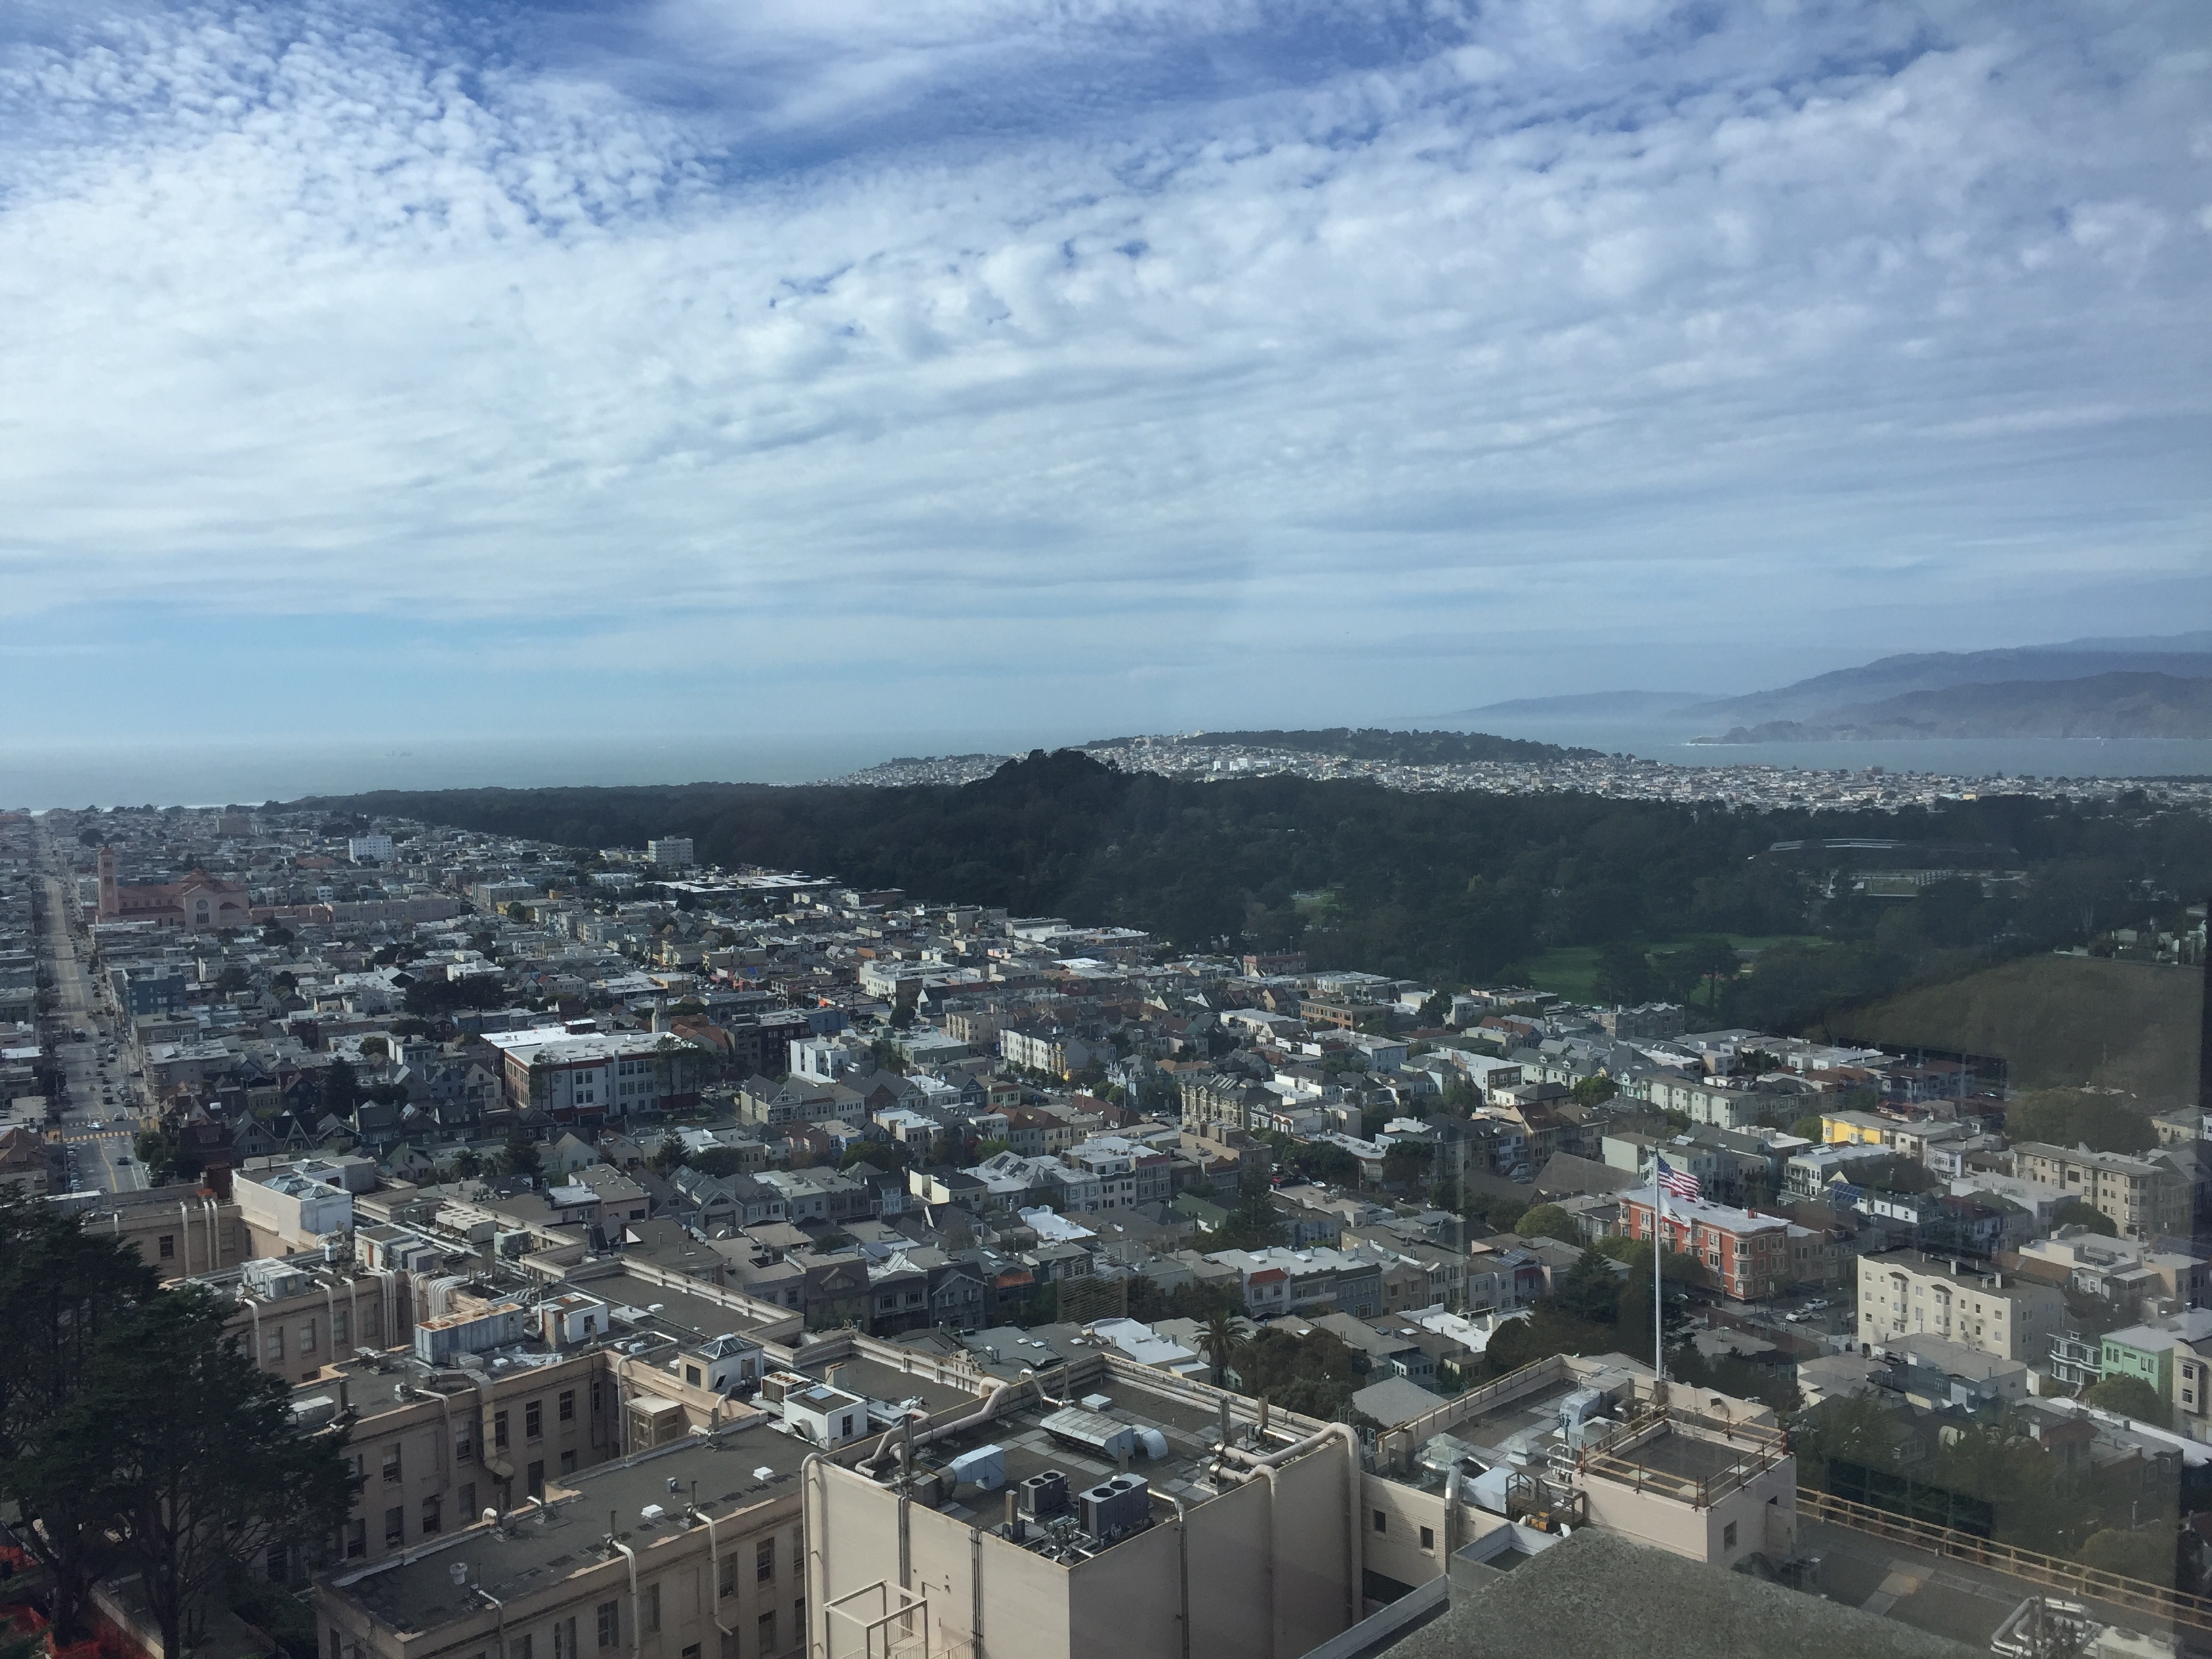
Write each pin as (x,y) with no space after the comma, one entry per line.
(1447,887)
(133,1430)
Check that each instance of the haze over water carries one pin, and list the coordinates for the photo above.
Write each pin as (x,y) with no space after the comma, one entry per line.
(248,773)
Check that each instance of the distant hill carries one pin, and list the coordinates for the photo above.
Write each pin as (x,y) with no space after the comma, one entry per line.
(1588,705)
(2109,705)
(1820,700)
(1371,743)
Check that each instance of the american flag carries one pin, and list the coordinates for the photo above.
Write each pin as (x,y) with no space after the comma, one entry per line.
(1681,1183)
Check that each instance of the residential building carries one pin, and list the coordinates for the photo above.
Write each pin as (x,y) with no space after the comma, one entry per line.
(2144,1198)
(590,1076)
(2146,1352)
(2125,1272)
(670,851)
(1903,1291)
(1749,1254)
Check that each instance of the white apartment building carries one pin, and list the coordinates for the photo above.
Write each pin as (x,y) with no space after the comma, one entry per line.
(1904,1292)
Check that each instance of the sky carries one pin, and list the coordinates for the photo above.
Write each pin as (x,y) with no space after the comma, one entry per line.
(381,370)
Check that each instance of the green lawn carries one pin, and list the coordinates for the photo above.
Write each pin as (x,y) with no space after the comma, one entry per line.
(1570,971)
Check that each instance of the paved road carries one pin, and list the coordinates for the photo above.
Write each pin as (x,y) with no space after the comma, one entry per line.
(101,1090)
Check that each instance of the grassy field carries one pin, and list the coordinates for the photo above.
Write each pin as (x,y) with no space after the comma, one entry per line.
(1570,971)
(2060,1021)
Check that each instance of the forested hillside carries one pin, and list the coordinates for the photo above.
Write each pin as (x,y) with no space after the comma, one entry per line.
(2063,1022)
(1449,887)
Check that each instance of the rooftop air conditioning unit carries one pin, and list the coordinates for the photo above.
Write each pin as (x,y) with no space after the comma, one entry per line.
(1115,1507)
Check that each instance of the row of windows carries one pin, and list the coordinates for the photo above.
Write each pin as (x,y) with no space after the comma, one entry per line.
(606,1630)
(273,1340)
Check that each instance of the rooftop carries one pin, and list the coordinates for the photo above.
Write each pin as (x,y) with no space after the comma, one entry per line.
(1597,1596)
(1183,1424)
(747,1463)
(674,1311)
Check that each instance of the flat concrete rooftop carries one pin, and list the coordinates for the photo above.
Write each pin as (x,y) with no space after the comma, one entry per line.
(684,1314)
(1188,1423)
(747,1464)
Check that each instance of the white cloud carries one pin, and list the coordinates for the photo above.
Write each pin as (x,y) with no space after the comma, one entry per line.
(1160,330)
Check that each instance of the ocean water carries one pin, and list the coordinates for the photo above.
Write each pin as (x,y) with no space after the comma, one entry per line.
(250,773)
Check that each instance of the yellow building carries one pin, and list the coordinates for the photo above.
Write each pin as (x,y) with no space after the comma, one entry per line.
(1855,1129)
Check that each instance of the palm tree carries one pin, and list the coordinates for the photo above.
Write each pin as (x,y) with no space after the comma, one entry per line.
(1222,1343)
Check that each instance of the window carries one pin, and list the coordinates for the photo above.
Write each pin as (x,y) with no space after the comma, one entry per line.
(534,1478)
(568,1405)
(564,1638)
(308,1337)
(272,1346)
(341,1326)
(432,1514)
(524,1647)
(395,1526)
(392,1462)
(533,1420)
(568,1462)
(609,1623)
(1728,1536)
(764,1560)
(768,1632)
(356,1538)
(499,1428)
(595,1396)
(468,1502)
(691,1652)
(1381,1521)
(798,1619)
(648,1608)
(464,1448)
(729,1582)
(169,1246)
(691,1375)
(1428,1538)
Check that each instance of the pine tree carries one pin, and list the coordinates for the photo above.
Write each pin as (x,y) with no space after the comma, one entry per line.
(192,1453)
(63,1291)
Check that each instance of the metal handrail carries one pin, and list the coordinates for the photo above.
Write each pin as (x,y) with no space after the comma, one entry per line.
(2090,1583)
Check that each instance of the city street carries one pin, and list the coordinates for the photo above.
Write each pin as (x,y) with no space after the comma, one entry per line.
(101,1091)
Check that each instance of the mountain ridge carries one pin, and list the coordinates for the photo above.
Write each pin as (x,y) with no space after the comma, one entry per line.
(2120,704)
(1811,701)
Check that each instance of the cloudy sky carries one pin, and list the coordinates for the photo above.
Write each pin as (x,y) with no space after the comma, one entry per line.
(1112,364)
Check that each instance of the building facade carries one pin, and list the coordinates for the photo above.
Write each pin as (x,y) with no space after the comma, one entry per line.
(2143,1198)
(1904,1291)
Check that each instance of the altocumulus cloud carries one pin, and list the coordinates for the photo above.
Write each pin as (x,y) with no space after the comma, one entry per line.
(986,332)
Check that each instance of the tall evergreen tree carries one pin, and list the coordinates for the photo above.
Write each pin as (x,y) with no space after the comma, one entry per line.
(63,1293)
(193,1455)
